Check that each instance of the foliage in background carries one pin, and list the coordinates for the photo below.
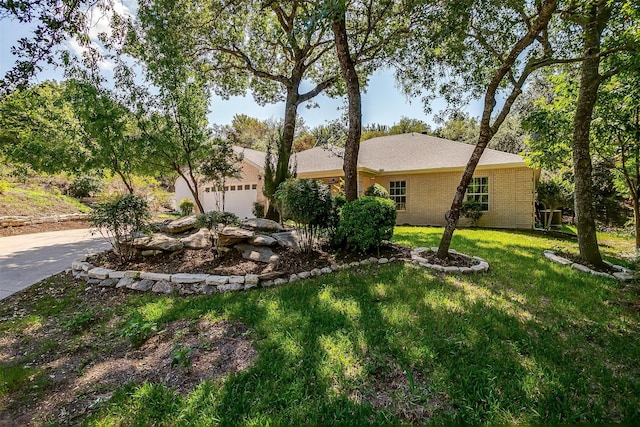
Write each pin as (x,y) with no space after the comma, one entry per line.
(186,207)
(309,204)
(377,190)
(366,222)
(39,129)
(553,194)
(258,209)
(121,220)
(85,186)
(472,210)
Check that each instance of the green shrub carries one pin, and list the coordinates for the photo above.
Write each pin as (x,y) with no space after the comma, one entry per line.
(212,219)
(258,209)
(472,210)
(377,190)
(80,321)
(121,219)
(137,330)
(366,222)
(215,221)
(309,204)
(85,186)
(181,356)
(186,207)
(4,187)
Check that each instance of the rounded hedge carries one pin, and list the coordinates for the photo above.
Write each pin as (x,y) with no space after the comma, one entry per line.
(366,222)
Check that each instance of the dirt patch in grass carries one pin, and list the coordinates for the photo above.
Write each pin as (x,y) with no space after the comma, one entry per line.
(71,367)
(404,393)
(206,261)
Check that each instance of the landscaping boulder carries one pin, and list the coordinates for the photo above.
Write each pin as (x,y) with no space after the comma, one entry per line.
(182,224)
(288,239)
(230,236)
(158,242)
(257,253)
(262,240)
(199,240)
(262,224)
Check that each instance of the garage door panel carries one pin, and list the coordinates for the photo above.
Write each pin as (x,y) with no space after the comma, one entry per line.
(239,202)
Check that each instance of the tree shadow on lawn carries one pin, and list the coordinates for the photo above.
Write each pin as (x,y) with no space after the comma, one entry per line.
(401,344)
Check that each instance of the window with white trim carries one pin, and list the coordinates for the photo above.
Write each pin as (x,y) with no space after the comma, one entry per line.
(478,190)
(398,193)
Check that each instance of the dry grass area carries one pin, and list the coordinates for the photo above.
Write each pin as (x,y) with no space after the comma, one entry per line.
(18,201)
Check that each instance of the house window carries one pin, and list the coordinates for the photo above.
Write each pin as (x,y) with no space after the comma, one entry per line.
(232,188)
(254,186)
(398,193)
(247,187)
(226,188)
(479,191)
(207,189)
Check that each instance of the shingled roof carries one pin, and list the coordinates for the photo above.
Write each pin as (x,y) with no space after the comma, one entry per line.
(409,152)
(404,153)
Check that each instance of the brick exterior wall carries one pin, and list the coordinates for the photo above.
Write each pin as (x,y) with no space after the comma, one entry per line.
(429,196)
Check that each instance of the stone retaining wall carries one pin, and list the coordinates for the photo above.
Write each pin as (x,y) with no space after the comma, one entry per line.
(206,284)
(19,221)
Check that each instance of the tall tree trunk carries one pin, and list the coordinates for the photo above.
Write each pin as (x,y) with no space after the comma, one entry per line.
(487,130)
(590,80)
(453,215)
(636,221)
(350,77)
(193,187)
(285,144)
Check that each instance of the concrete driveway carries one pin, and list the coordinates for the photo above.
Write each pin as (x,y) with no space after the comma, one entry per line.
(27,259)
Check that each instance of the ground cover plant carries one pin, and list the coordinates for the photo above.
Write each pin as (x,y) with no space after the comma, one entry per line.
(529,342)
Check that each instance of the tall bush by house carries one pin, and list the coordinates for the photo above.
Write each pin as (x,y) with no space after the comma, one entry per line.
(121,219)
(309,204)
(366,222)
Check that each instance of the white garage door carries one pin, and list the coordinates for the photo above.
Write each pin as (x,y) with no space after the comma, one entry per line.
(239,202)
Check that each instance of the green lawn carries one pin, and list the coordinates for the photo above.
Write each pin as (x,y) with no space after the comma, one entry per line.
(528,342)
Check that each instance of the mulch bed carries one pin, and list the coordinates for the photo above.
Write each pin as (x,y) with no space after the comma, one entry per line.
(206,261)
(453,260)
(578,260)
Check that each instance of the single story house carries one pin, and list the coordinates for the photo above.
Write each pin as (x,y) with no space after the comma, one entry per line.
(421,173)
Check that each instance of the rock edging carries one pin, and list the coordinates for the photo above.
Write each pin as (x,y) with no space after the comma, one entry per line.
(481,266)
(622,274)
(19,221)
(205,284)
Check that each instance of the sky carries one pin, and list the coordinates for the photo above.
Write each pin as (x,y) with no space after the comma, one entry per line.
(382,102)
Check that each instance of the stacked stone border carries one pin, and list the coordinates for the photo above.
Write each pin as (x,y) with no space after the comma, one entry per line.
(481,266)
(19,221)
(206,284)
(622,274)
